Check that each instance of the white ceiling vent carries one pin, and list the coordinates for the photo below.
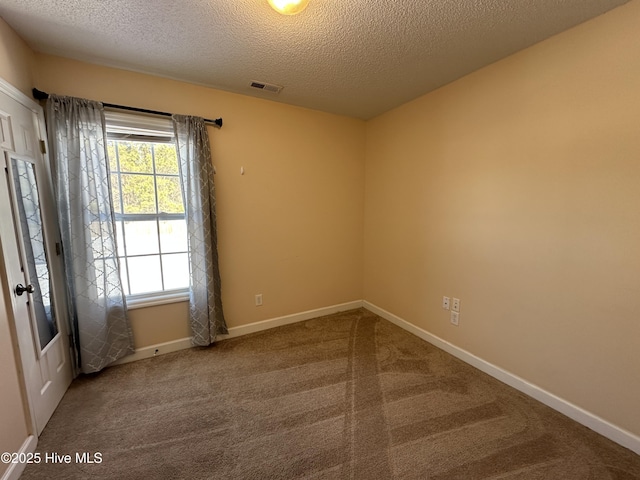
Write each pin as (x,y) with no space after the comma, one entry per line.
(267,87)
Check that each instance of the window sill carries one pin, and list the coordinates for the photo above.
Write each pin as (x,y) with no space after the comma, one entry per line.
(154,299)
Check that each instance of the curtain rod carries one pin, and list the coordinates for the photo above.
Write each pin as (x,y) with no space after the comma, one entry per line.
(40,95)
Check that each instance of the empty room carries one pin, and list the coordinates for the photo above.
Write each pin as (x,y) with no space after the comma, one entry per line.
(320,239)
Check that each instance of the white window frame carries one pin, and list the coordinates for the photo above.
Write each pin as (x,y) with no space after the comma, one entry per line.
(145,126)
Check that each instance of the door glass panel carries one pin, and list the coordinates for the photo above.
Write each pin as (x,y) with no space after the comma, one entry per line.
(28,212)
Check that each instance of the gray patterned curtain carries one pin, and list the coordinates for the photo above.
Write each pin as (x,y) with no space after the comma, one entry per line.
(97,307)
(196,174)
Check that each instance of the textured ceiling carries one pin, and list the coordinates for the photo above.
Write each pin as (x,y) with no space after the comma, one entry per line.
(353,57)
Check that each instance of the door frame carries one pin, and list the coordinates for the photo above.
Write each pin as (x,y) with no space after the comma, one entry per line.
(51,237)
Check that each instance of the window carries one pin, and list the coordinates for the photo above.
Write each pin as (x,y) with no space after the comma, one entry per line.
(149,212)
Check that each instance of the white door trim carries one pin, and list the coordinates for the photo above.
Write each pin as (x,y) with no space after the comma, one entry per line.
(30,417)
(11,93)
(18,96)
(15,469)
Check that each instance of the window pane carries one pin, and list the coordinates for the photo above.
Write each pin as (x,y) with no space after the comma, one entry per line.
(175,268)
(169,194)
(115,193)
(141,237)
(166,158)
(173,236)
(138,194)
(144,274)
(135,157)
(138,168)
(123,275)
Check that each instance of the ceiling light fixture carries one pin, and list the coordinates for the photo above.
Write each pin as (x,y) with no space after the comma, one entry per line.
(288,7)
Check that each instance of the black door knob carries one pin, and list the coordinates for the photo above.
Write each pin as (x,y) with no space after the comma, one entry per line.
(20,289)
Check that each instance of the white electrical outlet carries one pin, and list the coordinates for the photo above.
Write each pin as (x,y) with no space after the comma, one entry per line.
(445,303)
(258,300)
(456,304)
(455,318)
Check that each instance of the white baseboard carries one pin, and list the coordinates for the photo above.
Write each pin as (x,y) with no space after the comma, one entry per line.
(155,350)
(184,343)
(15,469)
(288,319)
(595,423)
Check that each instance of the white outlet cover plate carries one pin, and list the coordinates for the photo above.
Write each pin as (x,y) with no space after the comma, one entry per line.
(456,305)
(445,303)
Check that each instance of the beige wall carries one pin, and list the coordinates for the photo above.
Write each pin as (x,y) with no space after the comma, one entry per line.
(16,59)
(290,228)
(517,190)
(514,189)
(160,323)
(15,67)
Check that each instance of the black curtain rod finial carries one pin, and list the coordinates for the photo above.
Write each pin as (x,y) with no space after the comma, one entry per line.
(40,95)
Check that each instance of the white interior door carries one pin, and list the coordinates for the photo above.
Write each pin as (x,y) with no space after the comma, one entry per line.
(31,264)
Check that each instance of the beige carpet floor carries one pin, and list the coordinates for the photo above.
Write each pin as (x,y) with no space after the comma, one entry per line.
(345,396)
